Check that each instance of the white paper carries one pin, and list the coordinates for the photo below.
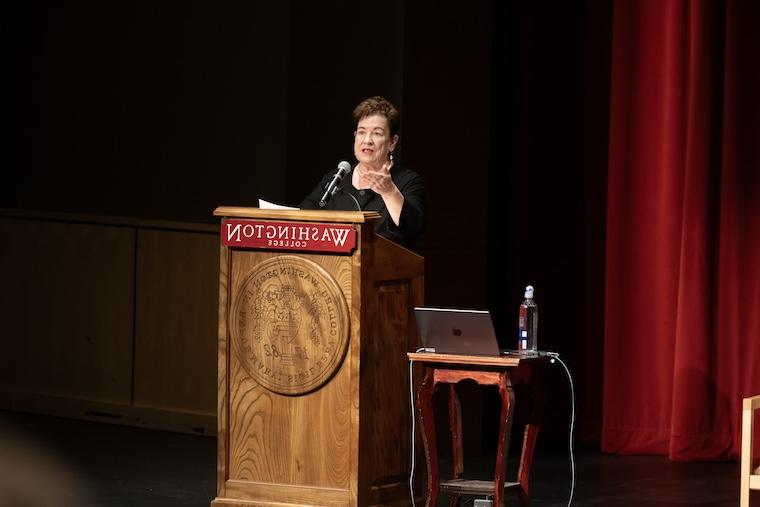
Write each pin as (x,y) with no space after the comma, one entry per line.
(270,205)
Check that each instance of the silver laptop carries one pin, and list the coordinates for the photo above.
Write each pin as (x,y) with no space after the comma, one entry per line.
(455,331)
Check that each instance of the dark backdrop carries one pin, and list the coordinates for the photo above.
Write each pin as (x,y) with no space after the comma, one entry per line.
(140,108)
(163,110)
(546,211)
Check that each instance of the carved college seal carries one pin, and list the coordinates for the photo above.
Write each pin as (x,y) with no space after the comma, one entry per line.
(290,325)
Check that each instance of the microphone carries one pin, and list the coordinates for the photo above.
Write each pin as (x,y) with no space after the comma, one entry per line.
(343,169)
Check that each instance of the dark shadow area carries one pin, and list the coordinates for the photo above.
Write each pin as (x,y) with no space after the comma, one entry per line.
(109,465)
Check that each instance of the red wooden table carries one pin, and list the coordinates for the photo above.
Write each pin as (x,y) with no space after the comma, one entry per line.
(484,370)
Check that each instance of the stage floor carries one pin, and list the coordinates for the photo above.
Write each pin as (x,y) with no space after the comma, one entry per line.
(81,464)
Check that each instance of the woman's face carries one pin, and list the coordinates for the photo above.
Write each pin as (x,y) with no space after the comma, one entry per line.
(372,141)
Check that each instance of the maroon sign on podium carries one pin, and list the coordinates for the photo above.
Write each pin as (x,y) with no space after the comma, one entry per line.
(309,236)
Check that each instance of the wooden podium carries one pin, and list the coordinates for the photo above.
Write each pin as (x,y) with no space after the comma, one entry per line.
(315,320)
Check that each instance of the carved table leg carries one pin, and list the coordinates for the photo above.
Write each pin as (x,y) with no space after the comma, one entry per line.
(536,380)
(505,428)
(455,423)
(427,423)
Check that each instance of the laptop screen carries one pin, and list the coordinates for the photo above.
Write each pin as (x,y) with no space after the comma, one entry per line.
(457,331)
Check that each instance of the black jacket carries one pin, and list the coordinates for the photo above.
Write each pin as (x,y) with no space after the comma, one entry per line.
(409,183)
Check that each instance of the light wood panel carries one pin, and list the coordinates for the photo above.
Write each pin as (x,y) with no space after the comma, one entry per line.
(222,374)
(750,475)
(268,440)
(308,215)
(176,321)
(66,308)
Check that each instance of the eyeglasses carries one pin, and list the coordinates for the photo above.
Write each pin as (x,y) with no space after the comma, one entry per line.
(362,135)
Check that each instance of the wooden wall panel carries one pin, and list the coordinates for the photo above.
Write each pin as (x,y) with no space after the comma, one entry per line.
(67,309)
(176,320)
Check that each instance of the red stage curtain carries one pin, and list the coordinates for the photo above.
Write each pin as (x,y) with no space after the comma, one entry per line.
(682,329)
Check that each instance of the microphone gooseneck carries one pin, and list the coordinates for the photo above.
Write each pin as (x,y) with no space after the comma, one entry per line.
(358,207)
(332,187)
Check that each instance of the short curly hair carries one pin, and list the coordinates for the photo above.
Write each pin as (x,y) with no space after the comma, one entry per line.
(378,106)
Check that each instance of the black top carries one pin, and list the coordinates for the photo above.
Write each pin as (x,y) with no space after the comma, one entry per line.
(409,183)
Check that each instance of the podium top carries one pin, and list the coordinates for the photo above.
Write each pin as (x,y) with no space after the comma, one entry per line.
(502,361)
(306,214)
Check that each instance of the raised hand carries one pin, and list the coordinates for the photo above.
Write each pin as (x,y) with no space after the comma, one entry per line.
(379,182)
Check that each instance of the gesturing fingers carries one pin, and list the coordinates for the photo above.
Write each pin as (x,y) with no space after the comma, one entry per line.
(379,182)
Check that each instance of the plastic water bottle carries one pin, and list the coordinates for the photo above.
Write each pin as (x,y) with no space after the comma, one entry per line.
(527,322)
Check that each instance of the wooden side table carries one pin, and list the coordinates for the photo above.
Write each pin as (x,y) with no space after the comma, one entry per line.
(484,370)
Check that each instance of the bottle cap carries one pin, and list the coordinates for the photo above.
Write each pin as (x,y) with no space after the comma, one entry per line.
(529,292)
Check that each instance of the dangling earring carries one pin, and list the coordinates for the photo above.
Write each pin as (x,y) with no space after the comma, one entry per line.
(391,157)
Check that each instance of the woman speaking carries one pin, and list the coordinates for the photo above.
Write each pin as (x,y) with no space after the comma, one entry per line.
(376,183)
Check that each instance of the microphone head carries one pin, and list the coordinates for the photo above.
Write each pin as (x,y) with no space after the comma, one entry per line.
(344,168)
